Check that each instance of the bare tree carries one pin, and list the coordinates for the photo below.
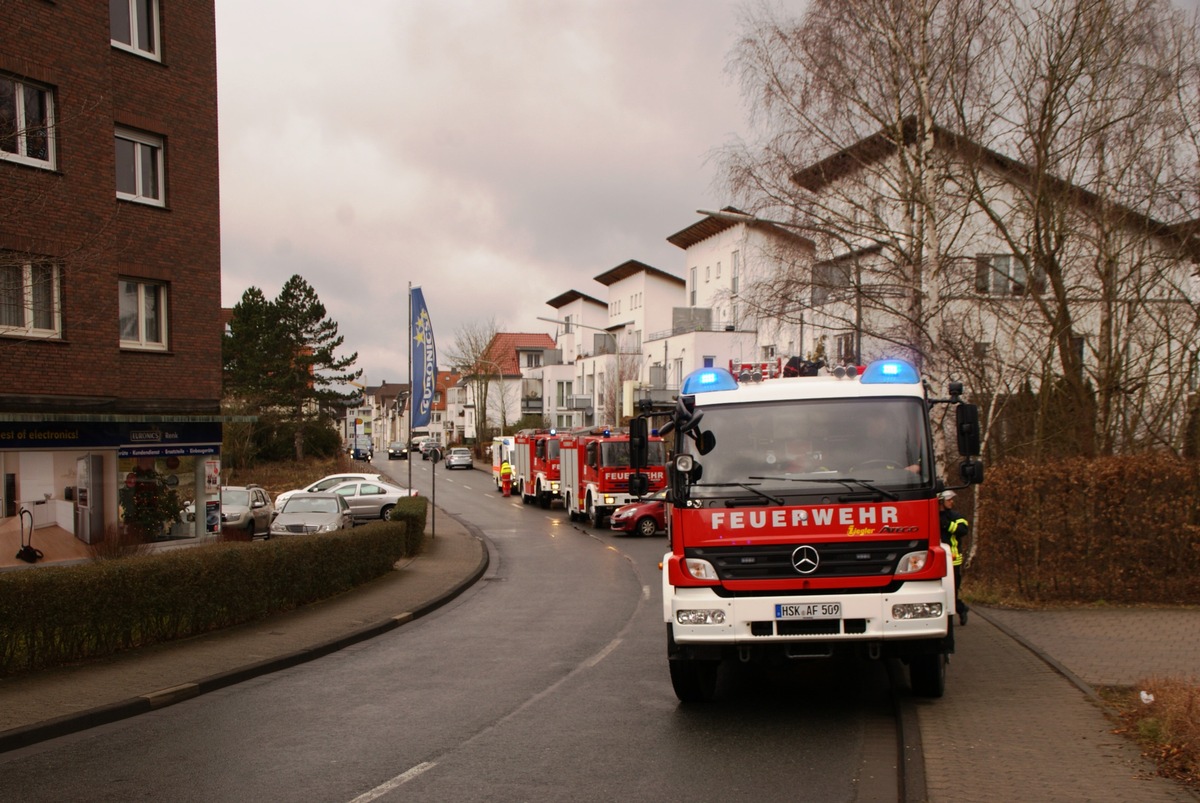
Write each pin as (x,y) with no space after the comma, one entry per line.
(469,357)
(873,73)
(988,178)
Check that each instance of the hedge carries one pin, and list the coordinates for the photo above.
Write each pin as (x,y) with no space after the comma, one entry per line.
(1117,529)
(58,615)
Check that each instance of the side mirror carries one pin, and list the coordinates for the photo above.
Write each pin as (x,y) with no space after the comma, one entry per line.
(678,471)
(971,472)
(639,484)
(639,445)
(705,442)
(967,425)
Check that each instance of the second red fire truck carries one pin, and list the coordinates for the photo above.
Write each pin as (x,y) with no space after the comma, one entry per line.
(595,472)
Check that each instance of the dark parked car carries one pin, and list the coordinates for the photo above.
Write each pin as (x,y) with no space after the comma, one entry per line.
(646,517)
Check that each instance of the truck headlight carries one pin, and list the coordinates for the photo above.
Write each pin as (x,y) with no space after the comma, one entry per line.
(917,610)
(700,569)
(912,562)
(702,616)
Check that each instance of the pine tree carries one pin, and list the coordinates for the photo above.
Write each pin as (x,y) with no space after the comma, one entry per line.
(280,356)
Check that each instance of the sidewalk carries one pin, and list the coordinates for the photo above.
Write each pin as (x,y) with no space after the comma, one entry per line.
(1019,721)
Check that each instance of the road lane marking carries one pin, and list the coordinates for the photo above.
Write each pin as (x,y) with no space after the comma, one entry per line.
(394,783)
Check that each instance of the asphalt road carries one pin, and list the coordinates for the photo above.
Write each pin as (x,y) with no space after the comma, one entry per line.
(546,681)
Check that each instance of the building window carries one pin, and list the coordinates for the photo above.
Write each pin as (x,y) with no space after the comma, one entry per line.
(692,295)
(143,308)
(768,352)
(26,123)
(533,359)
(139,167)
(718,270)
(735,265)
(29,300)
(133,26)
(562,395)
(1006,274)
(707,273)
(847,354)
(830,280)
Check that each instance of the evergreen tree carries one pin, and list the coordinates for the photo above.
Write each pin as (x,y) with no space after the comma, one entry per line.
(280,356)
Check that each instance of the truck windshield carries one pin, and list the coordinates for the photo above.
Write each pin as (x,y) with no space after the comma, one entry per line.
(616,453)
(816,446)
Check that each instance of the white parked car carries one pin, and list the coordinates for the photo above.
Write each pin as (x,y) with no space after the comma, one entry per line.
(324,484)
(371,500)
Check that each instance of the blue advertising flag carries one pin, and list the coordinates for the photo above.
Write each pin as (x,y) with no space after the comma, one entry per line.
(423,355)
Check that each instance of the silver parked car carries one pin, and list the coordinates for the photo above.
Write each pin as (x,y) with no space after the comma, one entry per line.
(307,513)
(371,500)
(325,484)
(459,457)
(245,508)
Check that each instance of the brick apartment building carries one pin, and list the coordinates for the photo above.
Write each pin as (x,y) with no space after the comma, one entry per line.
(110,319)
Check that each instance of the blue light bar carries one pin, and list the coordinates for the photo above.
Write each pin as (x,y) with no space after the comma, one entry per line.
(703,380)
(890,372)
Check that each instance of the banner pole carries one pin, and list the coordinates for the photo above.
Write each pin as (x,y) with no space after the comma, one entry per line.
(408,335)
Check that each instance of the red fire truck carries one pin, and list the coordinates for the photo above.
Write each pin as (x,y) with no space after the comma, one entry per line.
(595,472)
(536,466)
(804,522)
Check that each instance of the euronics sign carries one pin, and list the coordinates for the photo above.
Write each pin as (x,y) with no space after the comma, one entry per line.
(131,437)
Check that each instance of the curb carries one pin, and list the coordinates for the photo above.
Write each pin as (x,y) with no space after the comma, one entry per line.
(73,723)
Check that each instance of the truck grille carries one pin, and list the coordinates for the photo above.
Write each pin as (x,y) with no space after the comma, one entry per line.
(774,561)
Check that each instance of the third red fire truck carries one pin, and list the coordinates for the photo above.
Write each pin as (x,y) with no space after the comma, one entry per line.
(595,472)
(536,466)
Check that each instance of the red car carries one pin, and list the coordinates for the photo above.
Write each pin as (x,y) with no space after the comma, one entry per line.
(646,517)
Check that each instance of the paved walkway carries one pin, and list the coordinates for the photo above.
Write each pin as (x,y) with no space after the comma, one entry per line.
(1020,719)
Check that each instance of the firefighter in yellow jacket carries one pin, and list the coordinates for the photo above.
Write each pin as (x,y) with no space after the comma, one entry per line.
(506,477)
(956,535)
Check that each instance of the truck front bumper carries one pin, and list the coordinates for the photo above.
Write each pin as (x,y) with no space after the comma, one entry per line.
(918,610)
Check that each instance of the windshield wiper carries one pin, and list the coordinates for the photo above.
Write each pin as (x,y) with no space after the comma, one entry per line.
(749,488)
(840,481)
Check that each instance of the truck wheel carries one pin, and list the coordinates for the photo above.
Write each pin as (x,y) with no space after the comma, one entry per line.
(646,526)
(595,515)
(694,681)
(927,674)
(543,498)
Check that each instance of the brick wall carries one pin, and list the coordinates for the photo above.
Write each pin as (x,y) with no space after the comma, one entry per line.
(72,213)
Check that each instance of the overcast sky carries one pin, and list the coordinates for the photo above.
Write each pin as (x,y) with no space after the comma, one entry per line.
(494,153)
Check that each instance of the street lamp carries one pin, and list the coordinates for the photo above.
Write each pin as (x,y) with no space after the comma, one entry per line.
(569,324)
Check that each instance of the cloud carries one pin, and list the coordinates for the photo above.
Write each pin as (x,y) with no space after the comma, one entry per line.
(495,154)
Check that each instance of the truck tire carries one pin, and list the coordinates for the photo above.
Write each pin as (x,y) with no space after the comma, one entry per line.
(595,515)
(927,674)
(694,681)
